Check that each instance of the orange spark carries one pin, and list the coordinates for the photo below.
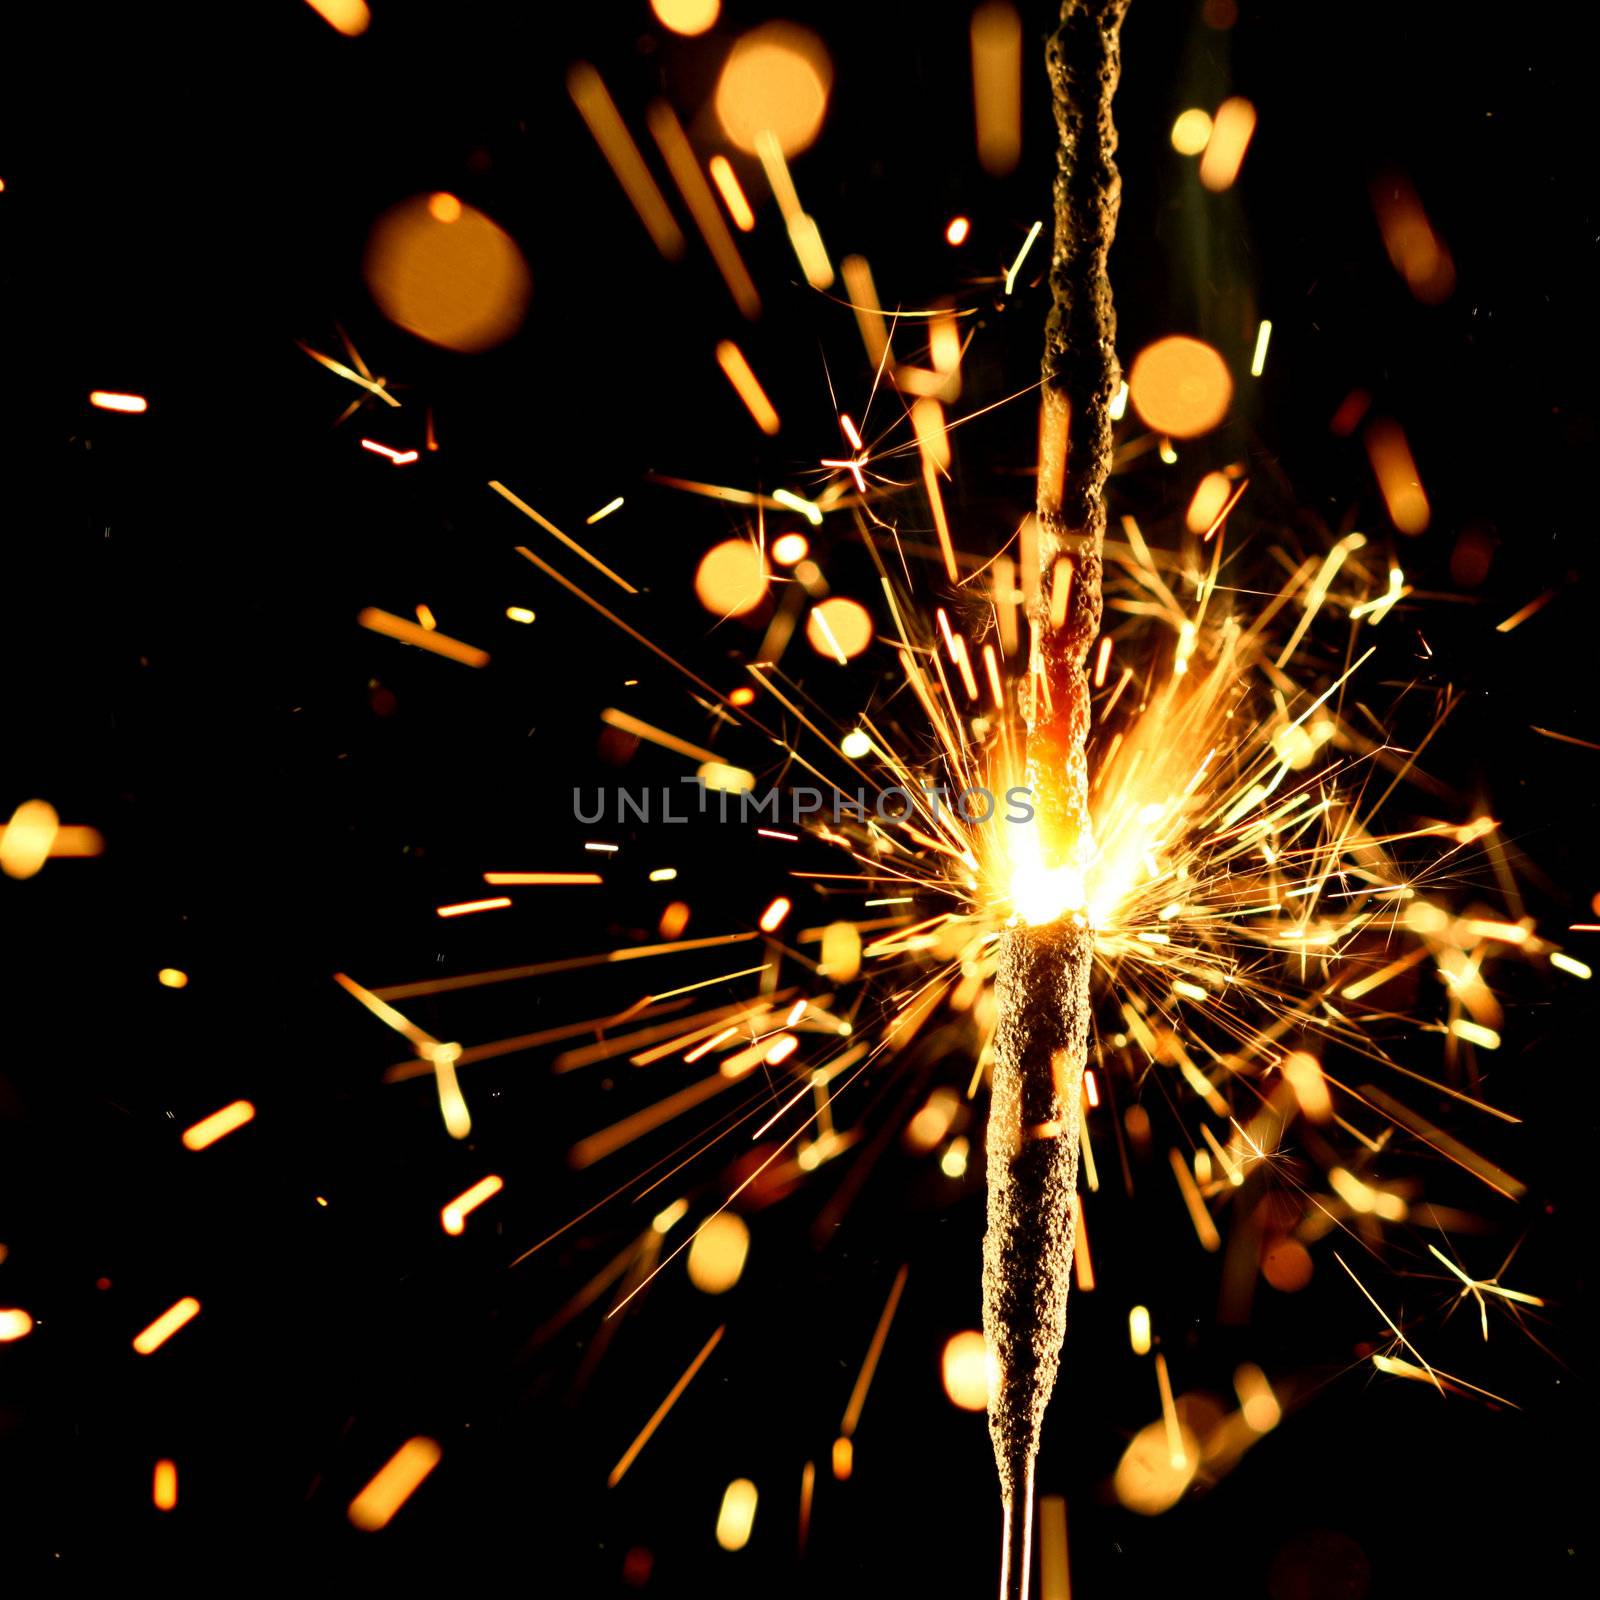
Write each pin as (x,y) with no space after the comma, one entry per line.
(406,632)
(218,1125)
(167,1324)
(465,908)
(454,1215)
(397,1480)
(737,370)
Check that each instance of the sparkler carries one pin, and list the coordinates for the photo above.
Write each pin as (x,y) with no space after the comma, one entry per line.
(1042,982)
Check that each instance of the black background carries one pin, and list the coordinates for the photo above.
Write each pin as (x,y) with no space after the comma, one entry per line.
(283,795)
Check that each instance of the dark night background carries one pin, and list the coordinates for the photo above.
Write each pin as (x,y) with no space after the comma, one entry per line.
(187,192)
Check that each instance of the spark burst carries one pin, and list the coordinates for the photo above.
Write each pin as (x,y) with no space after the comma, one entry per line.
(1247,898)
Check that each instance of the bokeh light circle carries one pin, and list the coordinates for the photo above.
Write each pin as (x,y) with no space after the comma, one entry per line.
(687,17)
(731,579)
(776,77)
(964,1367)
(446,273)
(1180,387)
(839,627)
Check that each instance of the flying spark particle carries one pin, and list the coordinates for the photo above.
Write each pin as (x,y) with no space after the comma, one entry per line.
(507,880)
(172,978)
(453,1217)
(599,111)
(1139,1330)
(164,1485)
(466,908)
(15,1323)
(1016,265)
(1259,360)
(407,632)
(106,400)
(676,1392)
(733,196)
(956,233)
(218,1125)
(737,370)
(996,35)
(397,1480)
(168,1323)
(1231,129)
(519,614)
(737,1514)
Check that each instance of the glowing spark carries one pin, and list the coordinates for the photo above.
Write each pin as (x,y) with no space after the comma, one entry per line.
(1101,662)
(1231,129)
(680,158)
(737,370)
(1119,403)
(454,1216)
(407,632)
(550,528)
(1169,1415)
(1565,963)
(519,614)
(164,1485)
(869,1366)
(1016,266)
(400,458)
(737,1515)
(956,233)
(1405,1342)
(811,512)
(663,875)
(511,879)
(604,511)
(674,1394)
(218,1125)
(15,1324)
(733,197)
(167,1324)
(172,978)
(1205,1229)
(1475,1033)
(1258,361)
(1139,1330)
(626,723)
(1396,472)
(870,319)
(396,1481)
(1517,618)
(465,908)
(105,400)
(599,112)
(772,917)
(997,86)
